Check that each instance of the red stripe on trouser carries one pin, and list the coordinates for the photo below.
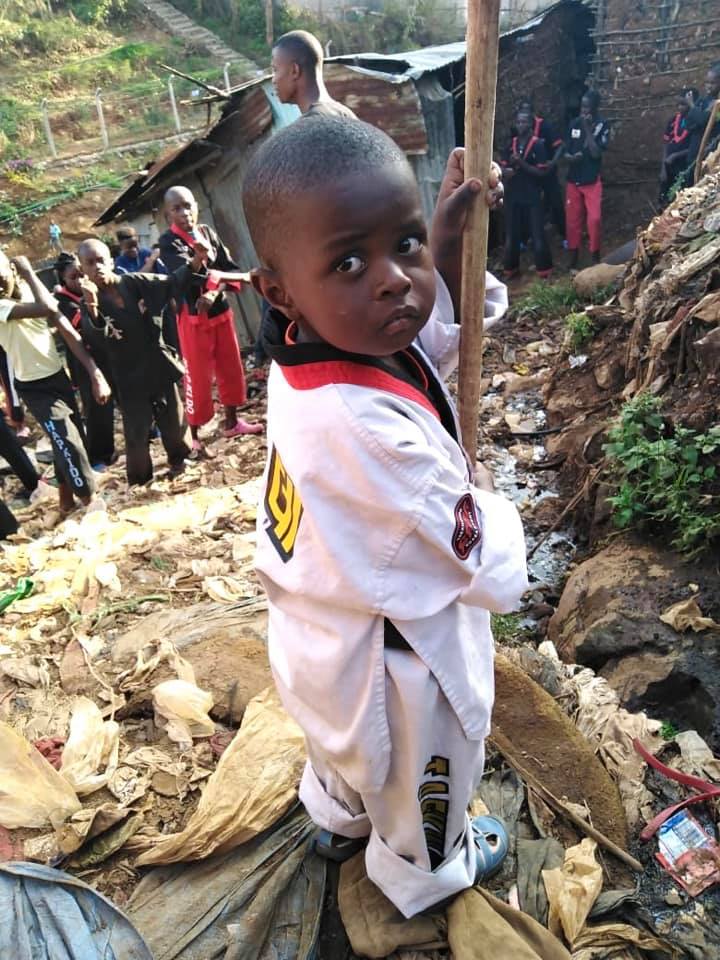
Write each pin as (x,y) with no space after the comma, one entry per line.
(583,203)
(211,352)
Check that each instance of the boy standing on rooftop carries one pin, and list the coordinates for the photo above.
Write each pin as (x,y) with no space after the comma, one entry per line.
(297,66)
(380,556)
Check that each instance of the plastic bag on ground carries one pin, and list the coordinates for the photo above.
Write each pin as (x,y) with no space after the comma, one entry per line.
(253,785)
(573,889)
(262,901)
(90,755)
(32,792)
(182,709)
(46,914)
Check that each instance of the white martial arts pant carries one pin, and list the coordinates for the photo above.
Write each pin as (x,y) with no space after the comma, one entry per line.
(420,847)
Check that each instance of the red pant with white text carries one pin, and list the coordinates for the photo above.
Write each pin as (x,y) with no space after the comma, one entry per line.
(211,351)
(584,204)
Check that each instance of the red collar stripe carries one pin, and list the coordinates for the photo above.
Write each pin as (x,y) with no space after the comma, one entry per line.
(309,376)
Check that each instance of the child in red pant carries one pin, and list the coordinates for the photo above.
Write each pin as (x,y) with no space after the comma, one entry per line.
(206,329)
(587,138)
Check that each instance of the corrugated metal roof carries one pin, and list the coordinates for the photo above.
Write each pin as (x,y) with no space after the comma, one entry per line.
(396,110)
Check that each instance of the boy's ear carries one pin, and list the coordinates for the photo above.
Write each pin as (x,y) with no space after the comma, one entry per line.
(267,283)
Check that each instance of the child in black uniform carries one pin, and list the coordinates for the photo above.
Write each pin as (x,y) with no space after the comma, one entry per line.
(676,140)
(123,315)
(525,165)
(99,418)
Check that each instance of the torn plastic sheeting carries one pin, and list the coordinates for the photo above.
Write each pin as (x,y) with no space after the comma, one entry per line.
(573,889)
(253,785)
(478,925)
(46,914)
(615,940)
(90,755)
(32,792)
(181,708)
(262,901)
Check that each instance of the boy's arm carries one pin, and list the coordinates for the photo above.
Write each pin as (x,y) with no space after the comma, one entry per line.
(100,388)
(451,210)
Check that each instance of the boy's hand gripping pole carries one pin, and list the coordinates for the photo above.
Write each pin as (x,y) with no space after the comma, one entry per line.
(480,83)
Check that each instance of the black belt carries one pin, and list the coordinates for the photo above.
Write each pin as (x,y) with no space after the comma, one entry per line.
(394,640)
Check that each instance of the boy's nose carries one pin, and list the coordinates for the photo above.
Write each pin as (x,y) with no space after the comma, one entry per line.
(392,280)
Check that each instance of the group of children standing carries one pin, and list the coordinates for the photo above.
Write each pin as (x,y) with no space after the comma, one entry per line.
(530,162)
(120,324)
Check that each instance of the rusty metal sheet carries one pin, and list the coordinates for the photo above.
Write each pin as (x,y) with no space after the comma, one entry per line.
(393,107)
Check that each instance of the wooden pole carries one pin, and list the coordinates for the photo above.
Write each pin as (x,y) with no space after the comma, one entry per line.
(480,82)
(706,136)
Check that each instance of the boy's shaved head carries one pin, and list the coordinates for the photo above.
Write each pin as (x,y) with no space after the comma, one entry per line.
(92,247)
(303,48)
(302,157)
(178,192)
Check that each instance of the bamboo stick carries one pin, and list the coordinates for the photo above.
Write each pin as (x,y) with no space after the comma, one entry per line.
(480,84)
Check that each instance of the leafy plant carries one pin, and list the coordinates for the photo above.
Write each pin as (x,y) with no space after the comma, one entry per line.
(579,329)
(668,730)
(666,476)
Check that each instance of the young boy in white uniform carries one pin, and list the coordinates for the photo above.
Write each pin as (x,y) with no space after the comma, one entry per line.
(380,556)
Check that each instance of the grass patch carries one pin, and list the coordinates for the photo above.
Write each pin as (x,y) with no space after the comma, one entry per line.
(666,476)
(579,330)
(548,299)
(506,627)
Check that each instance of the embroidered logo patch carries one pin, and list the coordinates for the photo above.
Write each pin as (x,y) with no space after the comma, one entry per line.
(283,508)
(467,527)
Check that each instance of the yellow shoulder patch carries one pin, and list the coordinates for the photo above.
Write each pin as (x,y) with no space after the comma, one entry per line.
(283,508)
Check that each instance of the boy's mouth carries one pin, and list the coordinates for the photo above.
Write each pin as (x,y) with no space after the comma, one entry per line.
(401,319)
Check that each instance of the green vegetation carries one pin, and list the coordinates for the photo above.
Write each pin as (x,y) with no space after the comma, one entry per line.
(548,300)
(666,476)
(579,330)
(668,730)
(382,27)
(41,193)
(506,627)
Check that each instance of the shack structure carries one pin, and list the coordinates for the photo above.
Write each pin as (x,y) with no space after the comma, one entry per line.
(418,98)
(646,52)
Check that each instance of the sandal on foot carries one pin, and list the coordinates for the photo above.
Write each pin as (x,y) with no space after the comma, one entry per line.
(242,427)
(491,845)
(333,846)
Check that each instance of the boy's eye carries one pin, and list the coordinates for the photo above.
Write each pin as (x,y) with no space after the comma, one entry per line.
(409,246)
(350,265)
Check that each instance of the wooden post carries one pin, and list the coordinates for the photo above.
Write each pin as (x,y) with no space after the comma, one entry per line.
(480,82)
(173,106)
(48,129)
(101,119)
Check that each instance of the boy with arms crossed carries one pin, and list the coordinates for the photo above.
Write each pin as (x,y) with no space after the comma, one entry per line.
(380,557)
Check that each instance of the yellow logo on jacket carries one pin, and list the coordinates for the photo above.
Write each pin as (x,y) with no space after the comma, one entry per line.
(283,508)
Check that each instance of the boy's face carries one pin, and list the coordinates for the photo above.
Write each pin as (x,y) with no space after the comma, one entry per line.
(182,210)
(712,84)
(285,72)
(7,278)
(129,246)
(96,262)
(683,107)
(356,270)
(586,108)
(522,122)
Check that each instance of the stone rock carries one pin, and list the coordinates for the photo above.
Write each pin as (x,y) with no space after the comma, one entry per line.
(587,282)
(226,644)
(75,677)
(608,618)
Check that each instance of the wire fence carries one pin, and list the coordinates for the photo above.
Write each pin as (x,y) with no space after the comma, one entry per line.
(151,110)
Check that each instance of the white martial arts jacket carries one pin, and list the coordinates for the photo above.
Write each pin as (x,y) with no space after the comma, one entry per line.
(369,526)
